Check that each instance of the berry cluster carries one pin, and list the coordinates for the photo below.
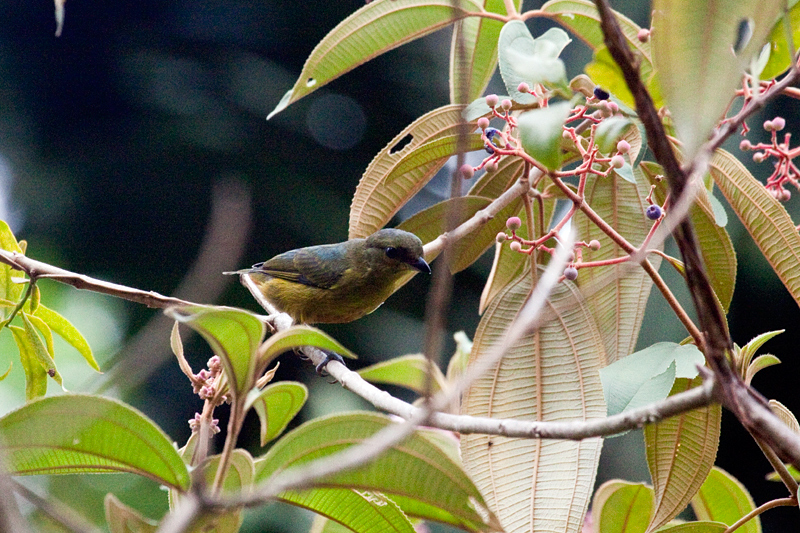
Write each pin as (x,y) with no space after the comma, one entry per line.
(785,169)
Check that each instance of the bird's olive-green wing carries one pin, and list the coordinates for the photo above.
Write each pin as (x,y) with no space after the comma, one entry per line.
(317,266)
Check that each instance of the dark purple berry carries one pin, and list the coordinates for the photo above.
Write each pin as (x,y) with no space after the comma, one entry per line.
(571,273)
(600,94)
(489,149)
(653,212)
(491,132)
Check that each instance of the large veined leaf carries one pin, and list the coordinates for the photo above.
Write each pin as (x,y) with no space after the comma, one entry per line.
(616,294)
(722,498)
(680,453)
(553,374)
(404,166)
(716,248)
(622,507)
(372,30)
(473,53)
(764,217)
(233,334)
(416,469)
(79,433)
(361,511)
(692,51)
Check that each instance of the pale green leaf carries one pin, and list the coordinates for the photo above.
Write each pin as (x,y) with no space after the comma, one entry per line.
(605,72)
(64,329)
(764,217)
(7,372)
(550,375)
(298,336)
(621,507)
(609,132)
(533,61)
(493,184)
(760,363)
(695,527)
(123,519)
(716,248)
(102,435)
(407,371)
(372,30)
(692,48)
(720,216)
(276,406)
(473,53)
(479,108)
(773,476)
(540,132)
(404,166)
(680,453)
(749,350)
(233,334)
(8,289)
(458,363)
(722,498)
(416,469)
(786,416)
(616,294)
(35,373)
(43,348)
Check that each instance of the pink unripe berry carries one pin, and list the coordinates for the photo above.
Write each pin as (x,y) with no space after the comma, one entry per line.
(515,246)
(483,123)
(759,157)
(786,194)
(643,35)
(778,123)
(623,146)
(769,125)
(617,161)
(594,244)
(613,107)
(490,167)
(501,237)
(506,104)
(745,145)
(467,171)
(524,87)
(571,273)
(491,100)
(513,223)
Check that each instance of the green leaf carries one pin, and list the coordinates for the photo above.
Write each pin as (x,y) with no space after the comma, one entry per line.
(533,61)
(716,248)
(79,433)
(540,133)
(408,371)
(550,375)
(233,334)
(692,51)
(759,363)
(43,353)
(298,336)
(372,30)
(609,132)
(458,363)
(786,416)
(124,519)
(478,108)
(764,217)
(647,376)
(64,329)
(404,166)
(416,469)
(680,453)
(616,294)
(605,72)
(720,216)
(9,290)
(35,374)
(773,476)
(695,527)
(749,350)
(779,60)
(723,499)
(473,53)
(622,507)
(361,511)
(276,406)
(493,184)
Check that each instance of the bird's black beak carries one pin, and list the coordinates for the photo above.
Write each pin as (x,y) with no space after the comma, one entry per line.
(421,265)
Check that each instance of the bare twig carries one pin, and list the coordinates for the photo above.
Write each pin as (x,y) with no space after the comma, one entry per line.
(58,512)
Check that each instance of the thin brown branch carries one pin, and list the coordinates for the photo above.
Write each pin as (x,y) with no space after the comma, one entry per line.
(780,502)
(747,405)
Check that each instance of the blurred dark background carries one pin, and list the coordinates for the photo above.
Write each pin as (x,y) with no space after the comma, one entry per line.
(135,148)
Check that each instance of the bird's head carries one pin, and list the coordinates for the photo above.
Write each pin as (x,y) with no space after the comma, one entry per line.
(399,246)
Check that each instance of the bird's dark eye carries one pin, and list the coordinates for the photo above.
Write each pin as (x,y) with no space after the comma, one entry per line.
(392,253)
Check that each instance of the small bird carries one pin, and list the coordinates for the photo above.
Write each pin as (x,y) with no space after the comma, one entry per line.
(335,283)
